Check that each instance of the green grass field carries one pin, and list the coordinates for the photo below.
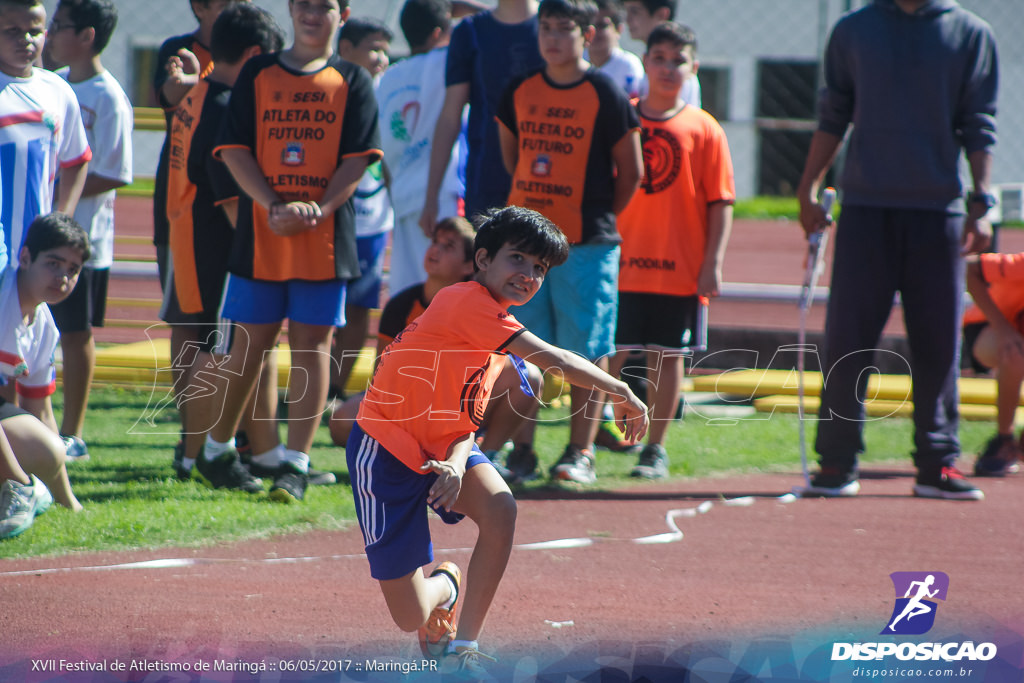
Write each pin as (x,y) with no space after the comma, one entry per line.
(132,499)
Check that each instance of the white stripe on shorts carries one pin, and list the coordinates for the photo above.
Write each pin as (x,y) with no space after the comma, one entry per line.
(365,458)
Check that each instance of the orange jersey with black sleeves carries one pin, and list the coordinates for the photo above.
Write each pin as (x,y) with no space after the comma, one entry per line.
(200,232)
(1004,274)
(432,383)
(664,227)
(566,134)
(299,126)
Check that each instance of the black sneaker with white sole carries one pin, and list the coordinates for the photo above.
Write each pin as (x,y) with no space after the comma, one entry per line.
(289,484)
(831,482)
(949,483)
(226,471)
(652,464)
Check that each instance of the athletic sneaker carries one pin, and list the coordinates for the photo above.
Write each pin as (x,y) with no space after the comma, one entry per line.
(948,483)
(576,464)
(999,457)
(226,471)
(609,437)
(75,449)
(180,472)
(20,504)
(467,664)
(831,482)
(317,477)
(653,463)
(289,484)
(522,460)
(440,627)
(508,475)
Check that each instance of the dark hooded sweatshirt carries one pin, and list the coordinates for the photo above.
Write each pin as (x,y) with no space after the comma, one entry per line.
(917,88)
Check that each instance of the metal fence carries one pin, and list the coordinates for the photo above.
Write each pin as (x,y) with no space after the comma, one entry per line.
(760,70)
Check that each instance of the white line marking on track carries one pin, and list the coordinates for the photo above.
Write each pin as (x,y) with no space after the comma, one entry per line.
(674,535)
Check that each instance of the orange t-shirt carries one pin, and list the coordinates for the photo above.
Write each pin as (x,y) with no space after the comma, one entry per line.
(299,126)
(664,227)
(432,383)
(1004,274)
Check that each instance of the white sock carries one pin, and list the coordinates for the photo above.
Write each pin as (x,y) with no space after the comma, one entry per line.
(187,464)
(271,458)
(213,449)
(453,645)
(296,458)
(447,604)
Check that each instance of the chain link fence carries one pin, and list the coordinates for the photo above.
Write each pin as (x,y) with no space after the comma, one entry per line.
(760,71)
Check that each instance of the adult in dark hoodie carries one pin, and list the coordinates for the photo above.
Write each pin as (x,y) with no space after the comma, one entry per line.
(914,82)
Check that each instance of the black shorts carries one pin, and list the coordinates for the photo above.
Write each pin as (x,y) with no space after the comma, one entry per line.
(213,332)
(8,409)
(86,306)
(661,321)
(971,332)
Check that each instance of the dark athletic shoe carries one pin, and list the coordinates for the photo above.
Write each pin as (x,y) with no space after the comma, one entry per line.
(831,482)
(289,484)
(948,483)
(999,457)
(653,463)
(226,472)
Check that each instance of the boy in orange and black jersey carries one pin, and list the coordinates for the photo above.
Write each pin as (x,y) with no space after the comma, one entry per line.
(203,203)
(300,131)
(674,232)
(571,141)
(185,55)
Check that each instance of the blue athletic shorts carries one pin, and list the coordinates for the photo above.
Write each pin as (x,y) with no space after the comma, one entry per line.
(364,291)
(576,308)
(258,302)
(391,506)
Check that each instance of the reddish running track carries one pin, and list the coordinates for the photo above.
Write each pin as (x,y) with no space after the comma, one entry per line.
(763,584)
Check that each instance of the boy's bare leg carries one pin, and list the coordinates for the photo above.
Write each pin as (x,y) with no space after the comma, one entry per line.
(485,498)
(311,356)
(586,405)
(1009,372)
(342,419)
(412,598)
(79,351)
(238,376)
(351,340)
(260,417)
(668,373)
(9,467)
(39,451)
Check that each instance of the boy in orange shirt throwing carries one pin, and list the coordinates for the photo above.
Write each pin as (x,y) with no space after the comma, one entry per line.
(674,232)
(413,443)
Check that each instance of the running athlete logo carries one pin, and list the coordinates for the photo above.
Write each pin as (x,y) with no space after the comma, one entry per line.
(914,612)
(662,159)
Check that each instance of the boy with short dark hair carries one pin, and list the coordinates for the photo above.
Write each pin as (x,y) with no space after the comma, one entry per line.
(604,52)
(78,34)
(680,219)
(55,247)
(571,141)
(300,131)
(641,17)
(48,138)
(418,451)
(202,211)
(364,42)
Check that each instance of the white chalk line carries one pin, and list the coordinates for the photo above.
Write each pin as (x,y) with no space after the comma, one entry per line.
(674,535)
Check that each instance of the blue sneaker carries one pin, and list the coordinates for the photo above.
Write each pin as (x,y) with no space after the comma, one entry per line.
(75,449)
(20,504)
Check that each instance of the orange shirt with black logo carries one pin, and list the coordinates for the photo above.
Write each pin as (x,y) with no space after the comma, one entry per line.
(432,383)
(664,227)
(299,126)
(201,234)
(566,134)
(1004,274)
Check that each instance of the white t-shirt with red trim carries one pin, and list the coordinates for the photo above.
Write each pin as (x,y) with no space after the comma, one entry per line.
(26,349)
